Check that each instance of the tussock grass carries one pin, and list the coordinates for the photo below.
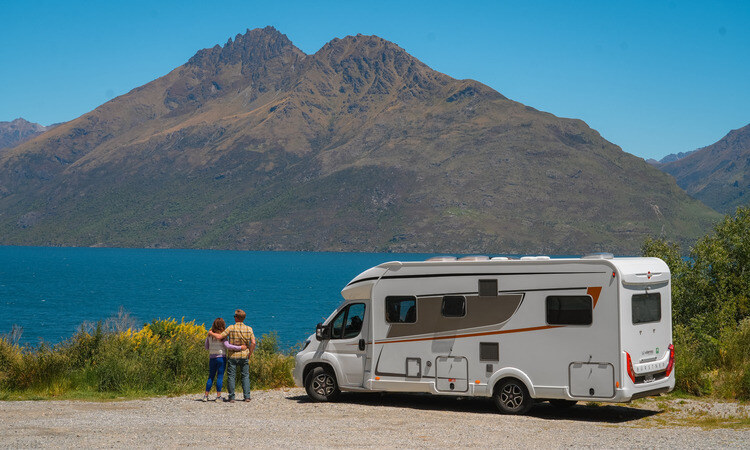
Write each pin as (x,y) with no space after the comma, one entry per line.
(107,361)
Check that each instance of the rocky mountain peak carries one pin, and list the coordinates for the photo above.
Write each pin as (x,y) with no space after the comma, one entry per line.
(251,49)
(19,130)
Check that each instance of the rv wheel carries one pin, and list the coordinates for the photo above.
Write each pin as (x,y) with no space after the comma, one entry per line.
(321,385)
(511,397)
(561,403)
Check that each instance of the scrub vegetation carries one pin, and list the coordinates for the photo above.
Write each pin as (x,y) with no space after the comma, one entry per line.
(112,359)
(711,308)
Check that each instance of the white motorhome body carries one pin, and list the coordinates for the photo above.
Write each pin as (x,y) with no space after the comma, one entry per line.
(595,328)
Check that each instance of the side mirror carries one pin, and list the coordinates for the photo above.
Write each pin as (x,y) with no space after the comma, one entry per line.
(322,332)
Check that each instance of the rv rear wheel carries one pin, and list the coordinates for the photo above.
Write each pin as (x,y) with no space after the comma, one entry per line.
(321,385)
(511,397)
(561,403)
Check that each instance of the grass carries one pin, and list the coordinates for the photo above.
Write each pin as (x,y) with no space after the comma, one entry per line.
(107,361)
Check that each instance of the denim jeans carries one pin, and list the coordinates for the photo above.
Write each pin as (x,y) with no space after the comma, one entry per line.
(216,368)
(244,366)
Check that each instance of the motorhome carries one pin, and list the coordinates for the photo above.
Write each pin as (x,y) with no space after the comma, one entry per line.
(563,330)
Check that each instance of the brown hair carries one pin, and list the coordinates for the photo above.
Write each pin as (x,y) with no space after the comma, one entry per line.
(239,315)
(219,325)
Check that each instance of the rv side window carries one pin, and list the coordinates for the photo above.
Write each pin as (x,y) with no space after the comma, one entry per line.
(348,323)
(400,309)
(569,310)
(337,326)
(646,308)
(454,306)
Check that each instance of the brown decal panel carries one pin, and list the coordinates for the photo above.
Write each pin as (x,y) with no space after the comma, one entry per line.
(480,312)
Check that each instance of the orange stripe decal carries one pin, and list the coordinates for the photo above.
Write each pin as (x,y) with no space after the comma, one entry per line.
(594,293)
(487,333)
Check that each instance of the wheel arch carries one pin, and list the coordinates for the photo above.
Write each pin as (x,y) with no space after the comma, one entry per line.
(511,372)
(309,367)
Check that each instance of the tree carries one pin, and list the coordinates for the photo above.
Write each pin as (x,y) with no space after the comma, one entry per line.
(710,290)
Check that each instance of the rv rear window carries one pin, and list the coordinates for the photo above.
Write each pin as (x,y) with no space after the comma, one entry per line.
(569,310)
(454,306)
(400,309)
(646,308)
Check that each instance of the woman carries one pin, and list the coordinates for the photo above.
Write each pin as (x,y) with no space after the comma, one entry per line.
(217,350)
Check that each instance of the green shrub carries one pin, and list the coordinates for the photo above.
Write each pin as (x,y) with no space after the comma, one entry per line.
(691,368)
(733,377)
(269,368)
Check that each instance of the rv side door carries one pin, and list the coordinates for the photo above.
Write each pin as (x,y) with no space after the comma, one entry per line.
(349,330)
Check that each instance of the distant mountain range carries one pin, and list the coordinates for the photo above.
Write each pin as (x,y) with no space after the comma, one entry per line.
(669,158)
(358,147)
(717,175)
(19,131)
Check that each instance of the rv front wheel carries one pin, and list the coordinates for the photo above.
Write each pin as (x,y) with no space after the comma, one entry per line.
(511,397)
(321,385)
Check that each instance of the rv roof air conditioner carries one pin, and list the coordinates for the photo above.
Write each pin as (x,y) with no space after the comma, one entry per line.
(535,258)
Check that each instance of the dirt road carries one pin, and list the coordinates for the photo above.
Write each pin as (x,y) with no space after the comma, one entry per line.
(285,418)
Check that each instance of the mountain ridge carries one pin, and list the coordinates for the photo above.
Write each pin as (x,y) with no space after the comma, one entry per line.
(718,174)
(359,146)
(20,130)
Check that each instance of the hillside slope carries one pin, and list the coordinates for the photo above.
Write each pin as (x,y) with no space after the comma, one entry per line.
(256,145)
(717,175)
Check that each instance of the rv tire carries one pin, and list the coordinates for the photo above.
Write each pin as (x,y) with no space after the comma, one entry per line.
(562,403)
(512,397)
(321,385)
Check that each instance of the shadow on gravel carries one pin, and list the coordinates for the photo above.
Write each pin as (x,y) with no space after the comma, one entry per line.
(614,413)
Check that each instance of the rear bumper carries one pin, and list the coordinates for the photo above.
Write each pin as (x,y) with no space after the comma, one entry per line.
(632,392)
(650,393)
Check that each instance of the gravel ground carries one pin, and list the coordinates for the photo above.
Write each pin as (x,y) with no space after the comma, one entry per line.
(285,418)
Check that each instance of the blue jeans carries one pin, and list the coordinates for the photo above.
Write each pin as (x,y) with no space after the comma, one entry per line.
(244,366)
(216,368)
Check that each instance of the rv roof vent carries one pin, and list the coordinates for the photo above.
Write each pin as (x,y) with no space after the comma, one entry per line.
(474,258)
(500,258)
(535,258)
(442,258)
(598,256)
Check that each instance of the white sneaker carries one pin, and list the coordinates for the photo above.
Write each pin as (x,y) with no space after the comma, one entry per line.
(218,398)
(205,398)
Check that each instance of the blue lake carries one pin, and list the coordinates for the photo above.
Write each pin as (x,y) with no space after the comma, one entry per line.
(50,291)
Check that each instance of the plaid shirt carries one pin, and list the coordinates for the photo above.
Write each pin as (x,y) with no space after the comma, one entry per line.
(239,334)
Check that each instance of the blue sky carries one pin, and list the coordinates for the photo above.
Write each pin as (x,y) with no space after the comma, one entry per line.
(654,77)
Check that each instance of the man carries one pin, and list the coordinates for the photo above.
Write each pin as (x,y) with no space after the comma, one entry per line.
(238,334)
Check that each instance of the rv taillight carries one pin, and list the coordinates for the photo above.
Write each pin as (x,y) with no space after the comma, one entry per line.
(631,374)
(670,365)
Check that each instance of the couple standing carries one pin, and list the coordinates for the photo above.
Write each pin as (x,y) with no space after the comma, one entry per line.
(238,343)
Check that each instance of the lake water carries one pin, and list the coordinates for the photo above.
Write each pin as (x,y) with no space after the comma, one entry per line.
(50,291)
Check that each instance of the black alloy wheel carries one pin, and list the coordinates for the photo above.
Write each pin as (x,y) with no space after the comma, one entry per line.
(321,385)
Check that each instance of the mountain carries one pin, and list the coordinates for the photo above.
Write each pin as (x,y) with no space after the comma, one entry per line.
(19,131)
(672,157)
(360,146)
(717,175)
